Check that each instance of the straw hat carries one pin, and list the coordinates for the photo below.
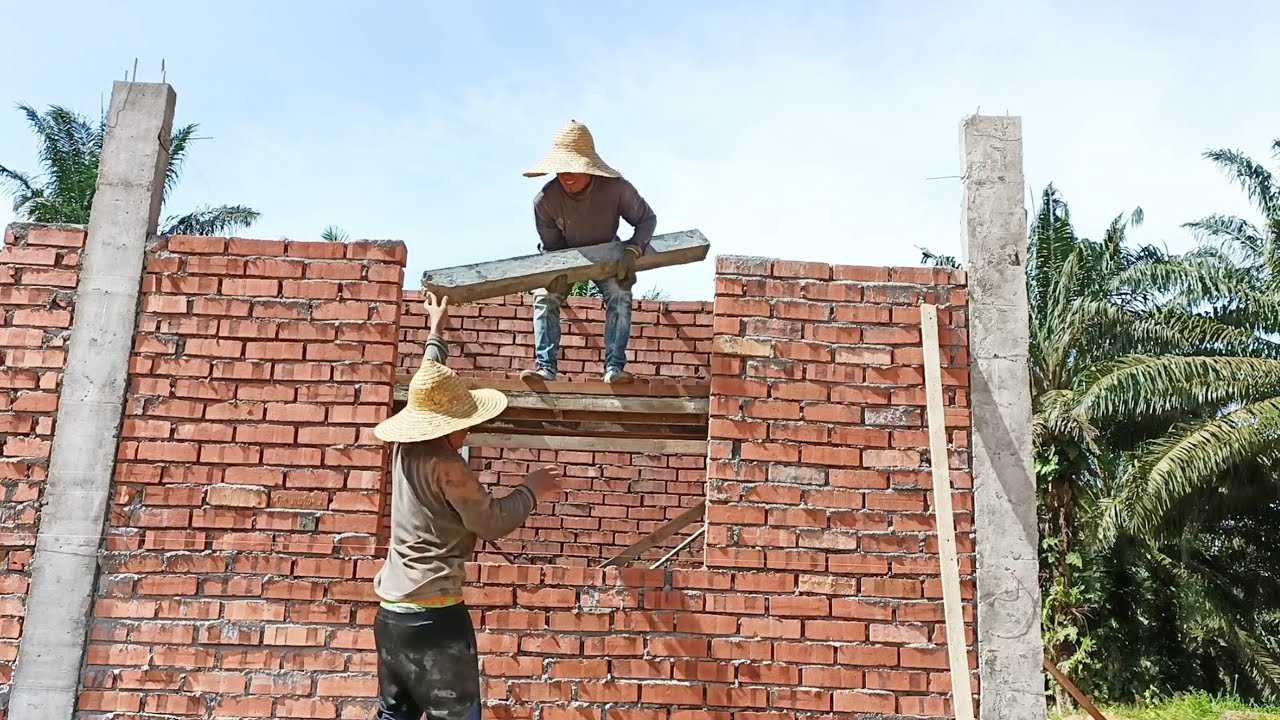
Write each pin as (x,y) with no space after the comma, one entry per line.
(573,150)
(439,403)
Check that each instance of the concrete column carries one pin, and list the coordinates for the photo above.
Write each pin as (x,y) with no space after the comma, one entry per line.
(1010,648)
(73,513)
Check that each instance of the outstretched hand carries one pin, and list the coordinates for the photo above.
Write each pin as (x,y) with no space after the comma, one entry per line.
(544,481)
(437,310)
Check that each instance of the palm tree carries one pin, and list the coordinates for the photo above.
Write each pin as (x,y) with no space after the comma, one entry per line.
(1203,491)
(70,149)
(1149,575)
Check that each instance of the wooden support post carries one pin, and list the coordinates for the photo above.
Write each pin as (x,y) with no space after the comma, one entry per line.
(939,460)
(468,283)
(1076,693)
(676,550)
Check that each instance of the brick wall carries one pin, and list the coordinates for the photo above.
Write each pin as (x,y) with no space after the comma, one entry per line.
(243,532)
(243,528)
(819,461)
(581,644)
(38,273)
(611,499)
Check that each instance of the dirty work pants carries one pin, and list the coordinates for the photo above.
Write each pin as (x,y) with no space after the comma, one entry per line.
(427,664)
(617,325)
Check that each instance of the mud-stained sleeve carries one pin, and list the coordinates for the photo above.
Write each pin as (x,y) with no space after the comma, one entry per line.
(437,349)
(488,517)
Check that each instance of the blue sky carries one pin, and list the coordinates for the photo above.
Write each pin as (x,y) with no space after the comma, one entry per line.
(806,130)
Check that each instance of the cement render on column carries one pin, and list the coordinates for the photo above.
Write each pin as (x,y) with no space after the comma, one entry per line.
(73,512)
(1010,647)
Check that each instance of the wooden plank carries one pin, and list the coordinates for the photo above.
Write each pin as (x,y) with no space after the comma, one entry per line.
(1076,693)
(676,550)
(939,460)
(639,388)
(684,420)
(468,283)
(599,403)
(643,446)
(507,426)
(605,403)
(671,527)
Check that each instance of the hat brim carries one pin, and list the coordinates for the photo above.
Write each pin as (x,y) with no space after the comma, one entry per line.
(411,425)
(561,161)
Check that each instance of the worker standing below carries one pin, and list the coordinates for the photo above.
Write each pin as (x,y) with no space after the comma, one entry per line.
(427,655)
(581,207)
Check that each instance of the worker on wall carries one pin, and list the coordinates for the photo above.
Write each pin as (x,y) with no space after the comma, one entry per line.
(426,643)
(582,206)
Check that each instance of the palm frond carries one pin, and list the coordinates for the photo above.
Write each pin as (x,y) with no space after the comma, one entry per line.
(179,142)
(1138,385)
(1192,456)
(1255,179)
(221,220)
(21,187)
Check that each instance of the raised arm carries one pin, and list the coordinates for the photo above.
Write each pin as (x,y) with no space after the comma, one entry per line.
(437,314)
(549,235)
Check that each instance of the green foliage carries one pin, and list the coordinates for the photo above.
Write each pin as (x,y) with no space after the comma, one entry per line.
(70,146)
(1185,706)
(333,233)
(1156,398)
(585,288)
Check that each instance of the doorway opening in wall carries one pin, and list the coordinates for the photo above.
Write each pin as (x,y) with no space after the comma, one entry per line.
(634,462)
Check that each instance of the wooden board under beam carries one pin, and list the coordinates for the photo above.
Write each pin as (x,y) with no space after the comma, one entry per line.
(600,403)
(468,283)
(563,428)
(639,388)
(682,420)
(642,446)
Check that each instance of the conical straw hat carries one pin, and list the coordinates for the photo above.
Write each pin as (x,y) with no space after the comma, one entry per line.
(439,403)
(573,150)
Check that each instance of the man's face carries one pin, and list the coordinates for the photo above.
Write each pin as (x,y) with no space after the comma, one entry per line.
(574,183)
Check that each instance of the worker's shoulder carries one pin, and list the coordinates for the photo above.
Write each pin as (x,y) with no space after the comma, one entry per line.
(549,191)
(432,451)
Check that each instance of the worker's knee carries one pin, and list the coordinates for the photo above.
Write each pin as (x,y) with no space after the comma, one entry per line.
(546,300)
(614,293)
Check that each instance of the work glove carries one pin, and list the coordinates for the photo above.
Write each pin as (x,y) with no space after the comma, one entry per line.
(626,276)
(559,286)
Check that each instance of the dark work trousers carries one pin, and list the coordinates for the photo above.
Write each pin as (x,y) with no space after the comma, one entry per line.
(427,663)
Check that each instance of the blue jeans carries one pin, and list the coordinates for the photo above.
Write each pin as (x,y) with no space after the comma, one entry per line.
(617,325)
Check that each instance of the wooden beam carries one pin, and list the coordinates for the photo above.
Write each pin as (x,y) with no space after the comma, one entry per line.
(639,388)
(671,527)
(644,446)
(939,461)
(614,429)
(552,403)
(676,550)
(683,420)
(1076,693)
(468,283)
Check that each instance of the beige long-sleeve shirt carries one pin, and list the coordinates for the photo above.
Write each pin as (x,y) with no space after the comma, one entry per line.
(438,510)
